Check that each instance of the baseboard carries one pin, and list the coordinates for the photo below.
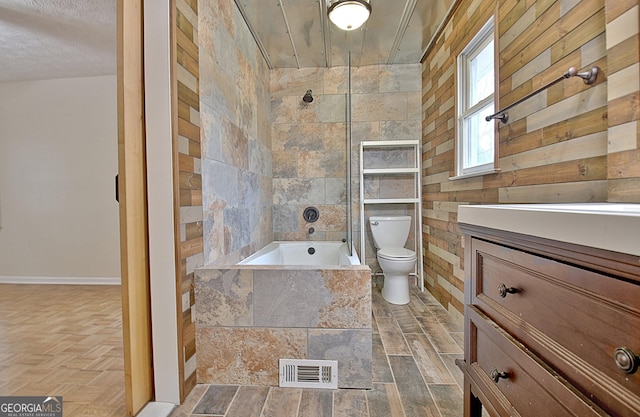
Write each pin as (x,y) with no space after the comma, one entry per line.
(156,409)
(60,280)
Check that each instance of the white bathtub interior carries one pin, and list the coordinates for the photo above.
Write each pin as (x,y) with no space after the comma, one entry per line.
(303,253)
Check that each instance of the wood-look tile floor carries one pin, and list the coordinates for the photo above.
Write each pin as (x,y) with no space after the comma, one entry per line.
(414,349)
(64,340)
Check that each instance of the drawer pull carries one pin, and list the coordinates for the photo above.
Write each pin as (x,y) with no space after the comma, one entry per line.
(503,290)
(496,375)
(626,360)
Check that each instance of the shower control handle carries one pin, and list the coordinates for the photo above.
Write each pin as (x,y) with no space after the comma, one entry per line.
(311,214)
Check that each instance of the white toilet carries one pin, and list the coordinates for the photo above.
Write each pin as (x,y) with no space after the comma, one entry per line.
(390,234)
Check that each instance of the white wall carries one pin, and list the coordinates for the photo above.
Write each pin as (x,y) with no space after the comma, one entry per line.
(58,159)
(160,190)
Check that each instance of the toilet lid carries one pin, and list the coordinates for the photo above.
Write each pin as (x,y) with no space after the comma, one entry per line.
(396,253)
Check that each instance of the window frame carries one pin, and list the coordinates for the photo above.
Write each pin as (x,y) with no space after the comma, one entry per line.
(479,42)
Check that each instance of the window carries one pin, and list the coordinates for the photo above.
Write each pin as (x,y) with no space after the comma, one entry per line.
(476,81)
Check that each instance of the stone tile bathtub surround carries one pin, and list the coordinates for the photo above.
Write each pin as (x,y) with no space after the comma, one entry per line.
(249,318)
(310,298)
(246,356)
(230,291)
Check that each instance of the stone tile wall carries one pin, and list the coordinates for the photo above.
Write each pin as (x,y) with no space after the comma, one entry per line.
(236,136)
(249,318)
(310,143)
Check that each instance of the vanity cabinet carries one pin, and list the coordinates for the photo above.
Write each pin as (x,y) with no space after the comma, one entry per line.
(551,328)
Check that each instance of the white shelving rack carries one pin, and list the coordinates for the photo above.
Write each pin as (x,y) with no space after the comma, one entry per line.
(415,198)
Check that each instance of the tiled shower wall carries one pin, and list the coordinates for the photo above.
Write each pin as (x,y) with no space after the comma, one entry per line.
(309,141)
(236,136)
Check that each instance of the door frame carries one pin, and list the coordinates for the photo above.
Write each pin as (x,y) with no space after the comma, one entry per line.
(146,171)
(161,161)
(132,188)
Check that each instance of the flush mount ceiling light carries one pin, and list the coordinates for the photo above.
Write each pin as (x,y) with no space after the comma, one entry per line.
(349,14)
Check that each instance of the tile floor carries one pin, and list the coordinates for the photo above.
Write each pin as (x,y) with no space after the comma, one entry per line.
(414,374)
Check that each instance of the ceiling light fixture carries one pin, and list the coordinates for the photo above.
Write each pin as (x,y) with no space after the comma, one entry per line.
(349,14)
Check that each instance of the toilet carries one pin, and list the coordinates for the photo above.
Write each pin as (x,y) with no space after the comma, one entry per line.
(390,234)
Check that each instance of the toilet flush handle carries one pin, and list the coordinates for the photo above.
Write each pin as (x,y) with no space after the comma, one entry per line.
(374,223)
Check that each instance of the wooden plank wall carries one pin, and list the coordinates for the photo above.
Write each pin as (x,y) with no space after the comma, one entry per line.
(554,148)
(557,146)
(187,178)
(622,17)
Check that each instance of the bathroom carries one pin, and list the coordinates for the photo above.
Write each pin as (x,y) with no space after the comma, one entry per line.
(283,156)
(569,165)
(589,156)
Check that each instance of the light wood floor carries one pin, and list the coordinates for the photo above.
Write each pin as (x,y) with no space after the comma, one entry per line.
(63,340)
(414,374)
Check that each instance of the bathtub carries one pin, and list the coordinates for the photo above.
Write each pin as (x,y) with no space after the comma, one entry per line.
(303,253)
(284,303)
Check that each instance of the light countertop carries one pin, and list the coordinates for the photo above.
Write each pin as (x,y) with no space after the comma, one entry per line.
(609,226)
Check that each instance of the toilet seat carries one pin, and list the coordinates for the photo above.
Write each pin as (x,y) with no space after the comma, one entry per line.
(396,254)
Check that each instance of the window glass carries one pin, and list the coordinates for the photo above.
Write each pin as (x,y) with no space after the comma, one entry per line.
(476,80)
(481,74)
(480,146)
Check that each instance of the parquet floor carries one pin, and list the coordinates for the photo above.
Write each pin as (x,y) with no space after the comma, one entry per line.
(414,374)
(63,340)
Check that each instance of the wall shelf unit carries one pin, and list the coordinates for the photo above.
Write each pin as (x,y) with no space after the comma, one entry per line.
(409,170)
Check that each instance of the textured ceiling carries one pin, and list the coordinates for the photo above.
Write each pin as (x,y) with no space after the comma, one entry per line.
(46,39)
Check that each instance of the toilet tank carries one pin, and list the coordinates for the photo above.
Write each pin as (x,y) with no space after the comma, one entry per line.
(390,231)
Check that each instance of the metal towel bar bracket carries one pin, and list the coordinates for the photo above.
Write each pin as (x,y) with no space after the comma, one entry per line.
(588,76)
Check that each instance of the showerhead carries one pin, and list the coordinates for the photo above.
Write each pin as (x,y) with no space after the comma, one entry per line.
(308,98)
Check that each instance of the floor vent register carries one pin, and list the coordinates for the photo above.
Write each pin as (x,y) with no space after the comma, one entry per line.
(307,373)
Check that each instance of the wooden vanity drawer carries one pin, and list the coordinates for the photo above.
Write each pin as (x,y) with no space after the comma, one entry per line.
(526,384)
(573,318)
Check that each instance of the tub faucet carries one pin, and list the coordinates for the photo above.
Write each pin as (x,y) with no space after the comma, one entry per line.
(311,230)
